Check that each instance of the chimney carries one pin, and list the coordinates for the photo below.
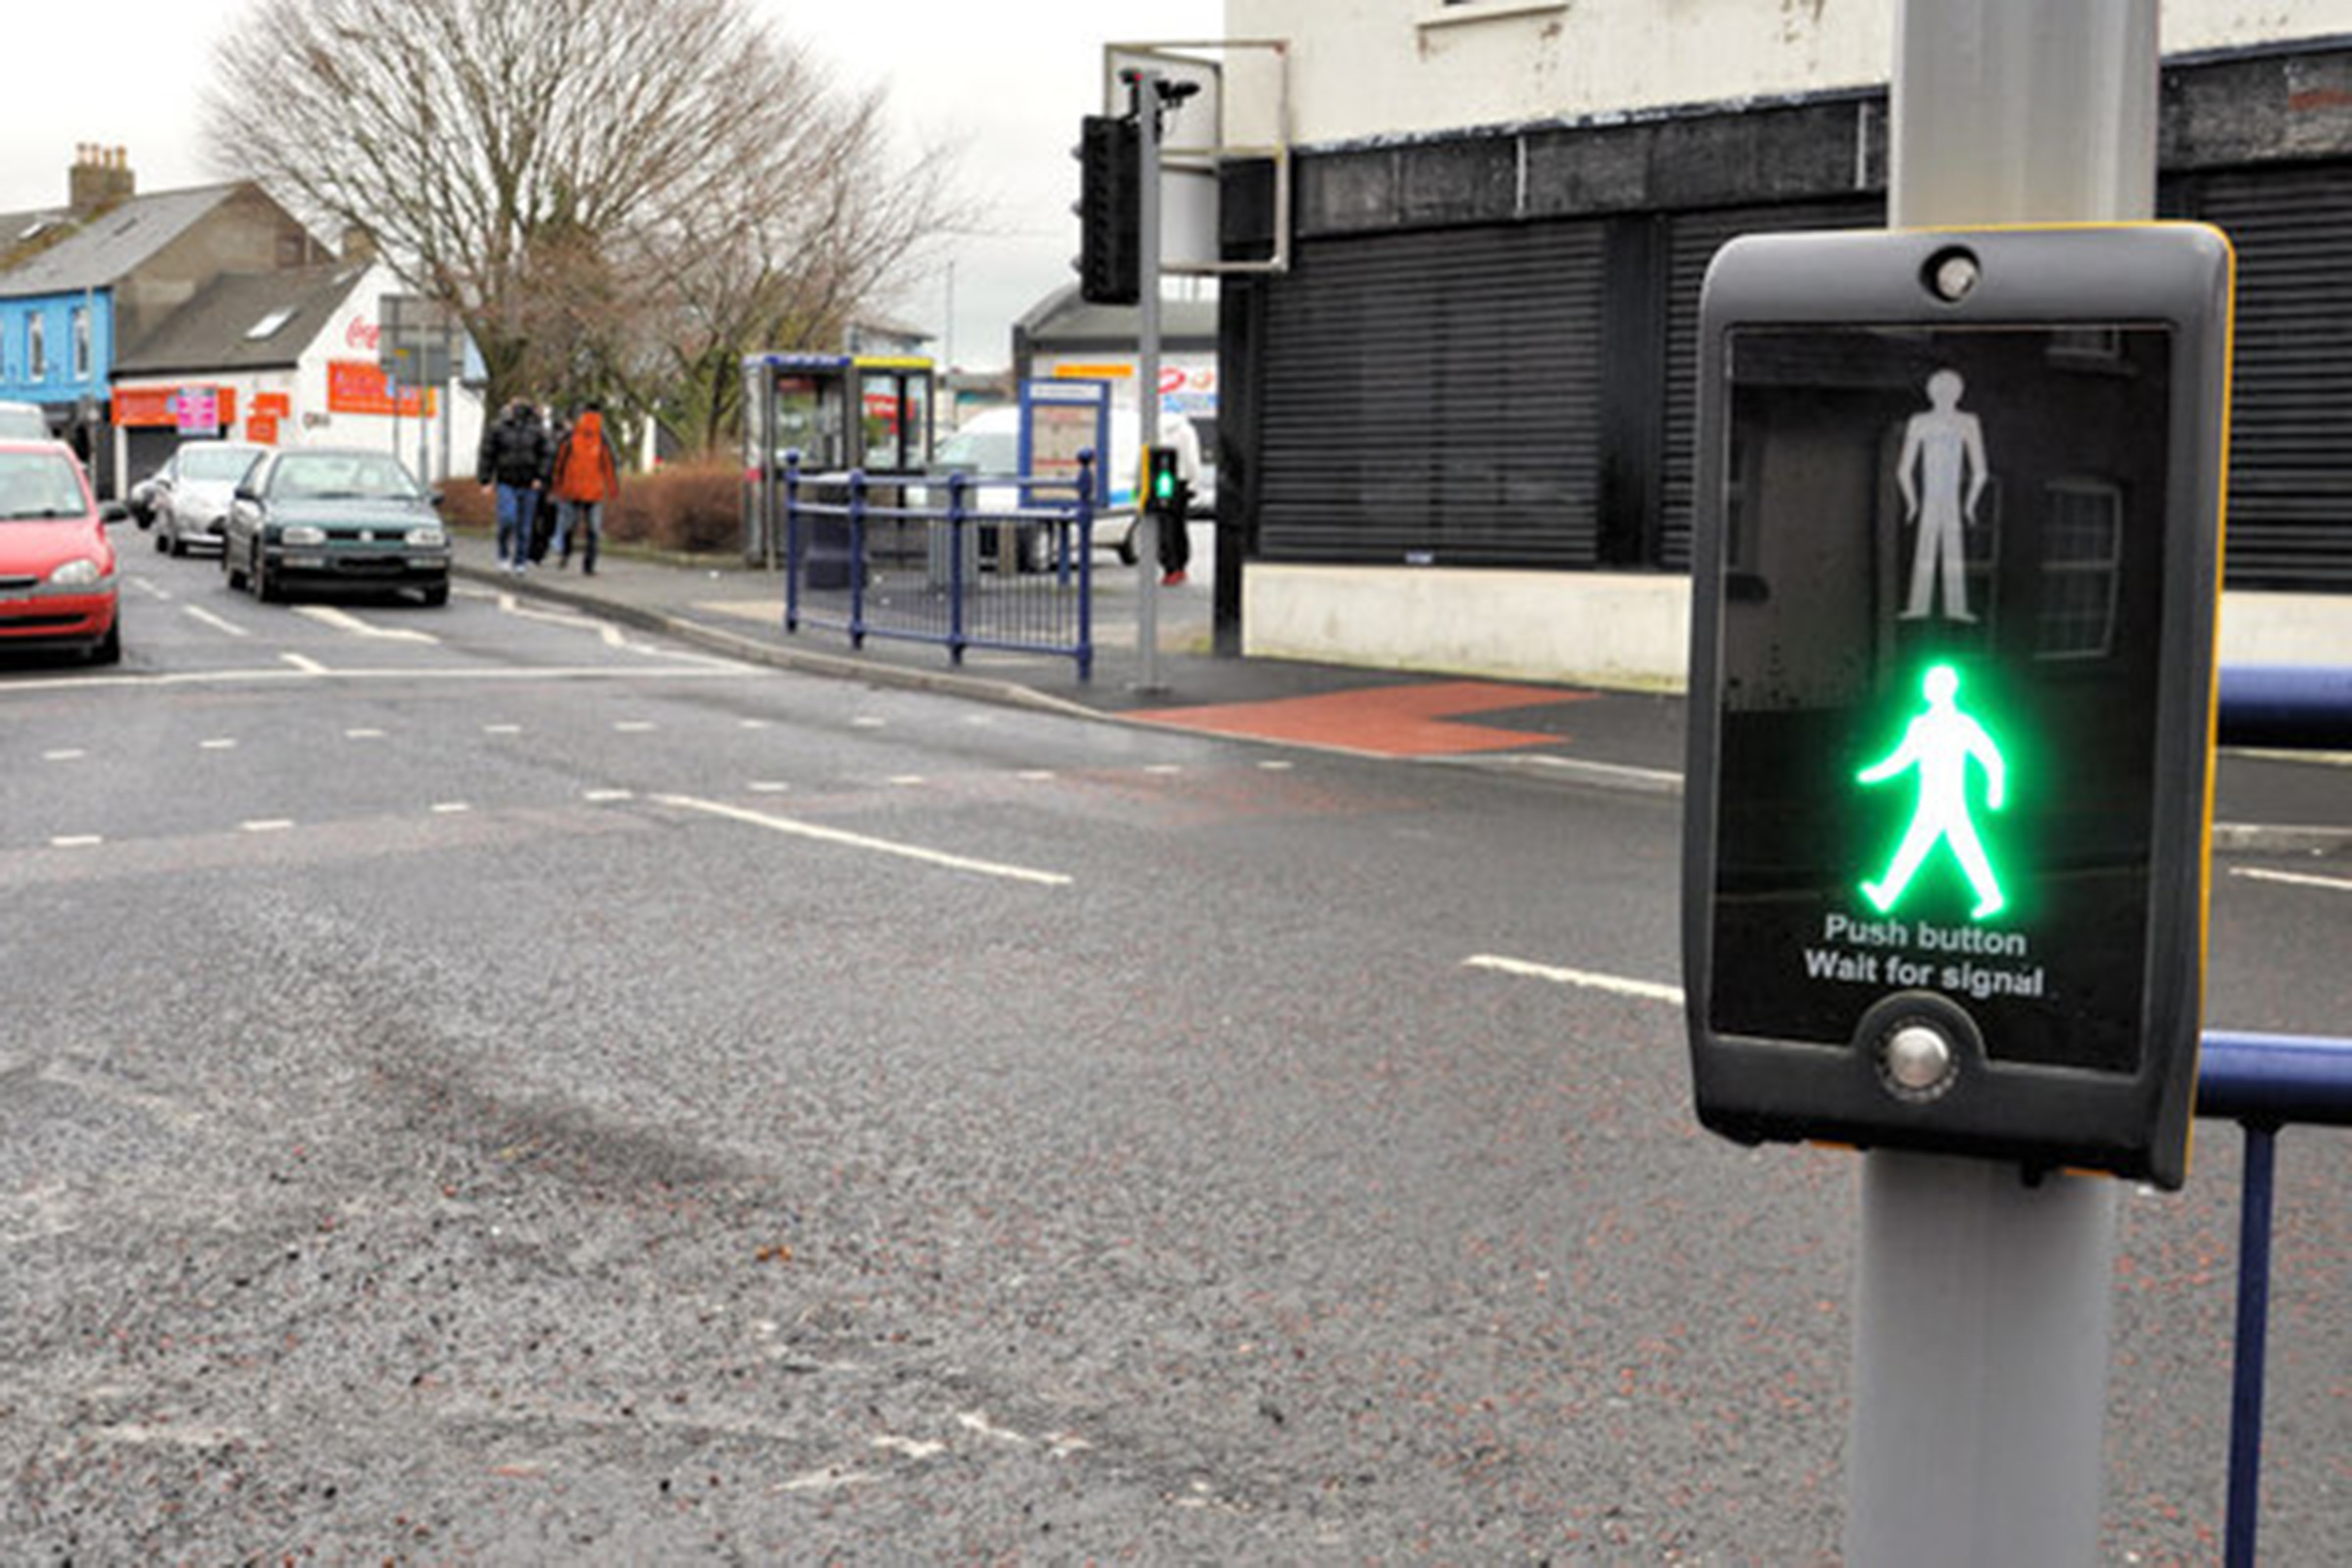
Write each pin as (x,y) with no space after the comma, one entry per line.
(100,178)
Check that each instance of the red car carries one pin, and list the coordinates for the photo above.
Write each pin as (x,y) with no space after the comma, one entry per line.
(57,567)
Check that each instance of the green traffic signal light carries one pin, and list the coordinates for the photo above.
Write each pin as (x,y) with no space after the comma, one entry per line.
(1938,744)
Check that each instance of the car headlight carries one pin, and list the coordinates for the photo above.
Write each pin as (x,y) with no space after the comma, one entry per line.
(302,533)
(83,572)
(428,537)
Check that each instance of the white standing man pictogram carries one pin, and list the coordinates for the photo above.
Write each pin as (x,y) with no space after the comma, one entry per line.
(1947,448)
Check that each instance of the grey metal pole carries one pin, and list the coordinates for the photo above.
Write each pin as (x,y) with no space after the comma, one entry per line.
(1983,1306)
(1146,370)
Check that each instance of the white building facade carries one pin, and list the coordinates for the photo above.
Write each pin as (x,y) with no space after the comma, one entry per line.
(1457,430)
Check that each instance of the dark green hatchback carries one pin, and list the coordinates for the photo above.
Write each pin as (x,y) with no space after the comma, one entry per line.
(336,517)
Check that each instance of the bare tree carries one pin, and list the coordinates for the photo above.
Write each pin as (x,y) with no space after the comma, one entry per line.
(614,198)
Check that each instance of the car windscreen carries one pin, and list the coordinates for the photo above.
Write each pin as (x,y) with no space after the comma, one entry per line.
(340,476)
(39,484)
(980,452)
(216,463)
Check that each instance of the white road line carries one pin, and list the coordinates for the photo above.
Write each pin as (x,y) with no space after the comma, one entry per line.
(1163,769)
(1647,990)
(219,624)
(868,722)
(363,734)
(859,841)
(1275,767)
(2298,879)
(751,723)
(607,797)
(684,666)
(142,585)
(451,807)
(1036,776)
(909,781)
(344,621)
(76,841)
(67,756)
(768,786)
(266,824)
(635,726)
(220,744)
(502,729)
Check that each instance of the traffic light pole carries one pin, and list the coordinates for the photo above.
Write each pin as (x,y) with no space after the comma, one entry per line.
(1147,369)
(1982,1304)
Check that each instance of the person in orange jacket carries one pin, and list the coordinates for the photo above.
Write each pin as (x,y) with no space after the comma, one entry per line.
(583,477)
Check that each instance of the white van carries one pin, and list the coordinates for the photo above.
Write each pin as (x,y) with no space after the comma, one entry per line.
(989,444)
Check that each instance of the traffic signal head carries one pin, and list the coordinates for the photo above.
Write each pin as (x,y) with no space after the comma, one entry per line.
(1955,571)
(1160,479)
(1109,210)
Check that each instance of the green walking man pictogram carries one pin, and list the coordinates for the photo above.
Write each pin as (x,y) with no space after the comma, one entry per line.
(1940,743)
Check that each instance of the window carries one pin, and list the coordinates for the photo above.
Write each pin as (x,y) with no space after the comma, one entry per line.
(269,323)
(81,342)
(2081,554)
(36,348)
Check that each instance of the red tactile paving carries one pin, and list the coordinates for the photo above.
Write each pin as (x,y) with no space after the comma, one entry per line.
(1415,720)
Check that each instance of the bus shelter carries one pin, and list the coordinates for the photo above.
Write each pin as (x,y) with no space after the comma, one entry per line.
(840,412)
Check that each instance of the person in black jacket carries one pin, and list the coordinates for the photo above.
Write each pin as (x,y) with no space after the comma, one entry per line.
(514,462)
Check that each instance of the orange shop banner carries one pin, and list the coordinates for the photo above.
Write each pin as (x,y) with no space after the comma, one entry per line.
(358,386)
(149,405)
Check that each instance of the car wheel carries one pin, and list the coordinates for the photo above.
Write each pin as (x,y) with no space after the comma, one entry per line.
(437,595)
(163,541)
(1127,546)
(228,566)
(109,651)
(265,588)
(179,547)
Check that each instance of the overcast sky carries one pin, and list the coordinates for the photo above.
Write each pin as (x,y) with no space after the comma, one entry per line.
(1003,83)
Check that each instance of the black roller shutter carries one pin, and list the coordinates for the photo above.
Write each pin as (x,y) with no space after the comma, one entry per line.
(1693,239)
(2290,447)
(1434,398)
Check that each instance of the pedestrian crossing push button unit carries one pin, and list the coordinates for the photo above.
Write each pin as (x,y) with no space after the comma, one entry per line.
(1954,588)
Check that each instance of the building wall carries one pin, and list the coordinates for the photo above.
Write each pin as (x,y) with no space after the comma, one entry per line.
(58,386)
(1385,68)
(246,232)
(1455,379)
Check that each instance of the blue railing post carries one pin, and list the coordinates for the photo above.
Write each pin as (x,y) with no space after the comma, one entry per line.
(1085,545)
(2256,1199)
(2262,1082)
(858,557)
(791,540)
(956,484)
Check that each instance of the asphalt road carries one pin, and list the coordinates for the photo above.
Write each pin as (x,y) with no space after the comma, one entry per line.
(483,1086)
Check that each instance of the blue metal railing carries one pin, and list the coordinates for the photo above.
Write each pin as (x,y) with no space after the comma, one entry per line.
(943,560)
(2265,1082)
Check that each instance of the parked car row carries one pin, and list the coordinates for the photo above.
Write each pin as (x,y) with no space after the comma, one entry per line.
(281,519)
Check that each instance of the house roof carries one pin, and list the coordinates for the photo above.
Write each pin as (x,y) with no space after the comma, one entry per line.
(220,330)
(109,245)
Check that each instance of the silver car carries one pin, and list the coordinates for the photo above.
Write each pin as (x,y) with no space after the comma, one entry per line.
(191,492)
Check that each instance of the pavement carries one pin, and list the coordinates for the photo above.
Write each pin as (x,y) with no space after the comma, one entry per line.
(2266,803)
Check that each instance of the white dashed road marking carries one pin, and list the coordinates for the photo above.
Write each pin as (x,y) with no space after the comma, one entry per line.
(219,624)
(859,841)
(2295,880)
(345,621)
(1647,990)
